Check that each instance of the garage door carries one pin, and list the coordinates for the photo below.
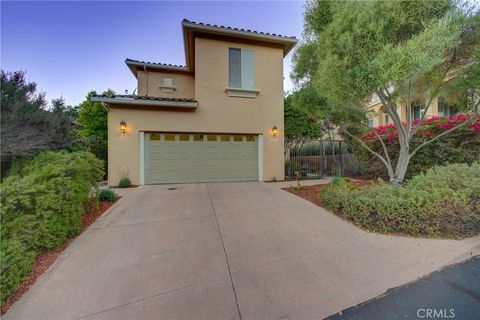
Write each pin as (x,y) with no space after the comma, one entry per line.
(183,158)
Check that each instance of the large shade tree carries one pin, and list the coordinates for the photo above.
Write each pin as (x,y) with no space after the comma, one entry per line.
(405,52)
(28,125)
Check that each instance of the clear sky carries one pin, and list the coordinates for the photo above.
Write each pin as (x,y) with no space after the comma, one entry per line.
(69,48)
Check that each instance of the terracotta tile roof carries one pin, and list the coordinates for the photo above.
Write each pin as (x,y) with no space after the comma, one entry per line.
(146,98)
(238,29)
(155,63)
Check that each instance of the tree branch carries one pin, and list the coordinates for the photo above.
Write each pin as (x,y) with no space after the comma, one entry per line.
(389,167)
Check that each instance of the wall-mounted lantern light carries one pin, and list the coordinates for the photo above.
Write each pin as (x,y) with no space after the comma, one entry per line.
(274,131)
(123,126)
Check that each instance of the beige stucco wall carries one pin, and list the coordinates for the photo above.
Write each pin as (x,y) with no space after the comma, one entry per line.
(379,115)
(149,84)
(217,112)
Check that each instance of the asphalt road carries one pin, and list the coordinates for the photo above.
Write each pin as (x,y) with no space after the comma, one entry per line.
(451,293)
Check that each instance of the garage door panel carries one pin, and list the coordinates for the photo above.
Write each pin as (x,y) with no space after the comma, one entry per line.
(201,161)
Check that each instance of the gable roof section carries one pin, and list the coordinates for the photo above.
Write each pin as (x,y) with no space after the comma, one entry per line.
(193,29)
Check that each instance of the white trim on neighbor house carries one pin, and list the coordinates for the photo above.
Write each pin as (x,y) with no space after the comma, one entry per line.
(142,158)
(260,157)
(132,101)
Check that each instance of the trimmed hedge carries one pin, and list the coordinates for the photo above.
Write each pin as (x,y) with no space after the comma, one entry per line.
(460,146)
(42,201)
(442,202)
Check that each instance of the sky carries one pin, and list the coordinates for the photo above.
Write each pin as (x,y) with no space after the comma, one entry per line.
(69,48)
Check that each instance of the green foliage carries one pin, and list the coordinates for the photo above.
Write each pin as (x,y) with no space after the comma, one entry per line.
(107,195)
(124,182)
(42,201)
(93,144)
(15,265)
(27,126)
(300,122)
(93,117)
(338,181)
(442,202)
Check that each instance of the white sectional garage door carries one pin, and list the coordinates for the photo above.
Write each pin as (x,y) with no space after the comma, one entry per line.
(184,158)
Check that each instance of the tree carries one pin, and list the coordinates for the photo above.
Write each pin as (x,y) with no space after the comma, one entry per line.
(406,52)
(27,127)
(92,116)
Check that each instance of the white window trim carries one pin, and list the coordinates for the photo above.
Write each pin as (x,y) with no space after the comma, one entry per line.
(242,93)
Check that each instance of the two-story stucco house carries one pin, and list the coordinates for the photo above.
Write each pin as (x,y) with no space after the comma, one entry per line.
(219,118)
(377,114)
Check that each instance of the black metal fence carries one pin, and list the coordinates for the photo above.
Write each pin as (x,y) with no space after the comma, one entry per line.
(318,158)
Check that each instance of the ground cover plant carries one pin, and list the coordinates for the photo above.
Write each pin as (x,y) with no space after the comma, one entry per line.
(442,202)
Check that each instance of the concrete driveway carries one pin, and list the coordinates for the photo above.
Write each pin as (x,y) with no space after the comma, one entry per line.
(225,251)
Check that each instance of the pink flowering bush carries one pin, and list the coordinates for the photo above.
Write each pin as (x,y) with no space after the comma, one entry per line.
(459,146)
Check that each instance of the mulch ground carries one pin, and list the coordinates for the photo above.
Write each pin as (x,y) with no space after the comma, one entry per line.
(46,259)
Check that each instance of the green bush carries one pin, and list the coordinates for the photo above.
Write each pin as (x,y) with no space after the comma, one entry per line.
(442,202)
(338,181)
(107,195)
(124,182)
(15,265)
(42,202)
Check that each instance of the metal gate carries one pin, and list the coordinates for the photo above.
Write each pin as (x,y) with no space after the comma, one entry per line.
(317,158)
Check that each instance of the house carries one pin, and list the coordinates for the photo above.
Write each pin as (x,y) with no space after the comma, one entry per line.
(218,118)
(377,114)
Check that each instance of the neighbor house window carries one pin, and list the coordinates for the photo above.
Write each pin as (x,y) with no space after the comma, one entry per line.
(445,110)
(417,112)
(387,119)
(241,71)
(371,123)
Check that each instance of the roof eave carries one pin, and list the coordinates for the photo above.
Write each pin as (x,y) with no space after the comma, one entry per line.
(287,42)
(131,101)
(133,65)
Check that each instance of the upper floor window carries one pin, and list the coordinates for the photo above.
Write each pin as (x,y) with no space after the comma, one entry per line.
(241,71)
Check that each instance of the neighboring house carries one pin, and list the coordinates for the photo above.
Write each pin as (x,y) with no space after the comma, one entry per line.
(377,114)
(219,118)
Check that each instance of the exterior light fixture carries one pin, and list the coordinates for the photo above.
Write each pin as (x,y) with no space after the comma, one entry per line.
(123,126)
(274,131)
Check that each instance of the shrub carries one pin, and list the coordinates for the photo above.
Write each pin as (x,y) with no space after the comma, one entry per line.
(15,265)
(107,195)
(460,146)
(41,205)
(338,181)
(443,201)
(124,182)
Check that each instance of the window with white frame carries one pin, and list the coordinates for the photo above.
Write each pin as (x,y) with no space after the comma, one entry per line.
(371,123)
(241,68)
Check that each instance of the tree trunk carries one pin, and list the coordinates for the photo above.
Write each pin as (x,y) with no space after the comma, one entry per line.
(402,165)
